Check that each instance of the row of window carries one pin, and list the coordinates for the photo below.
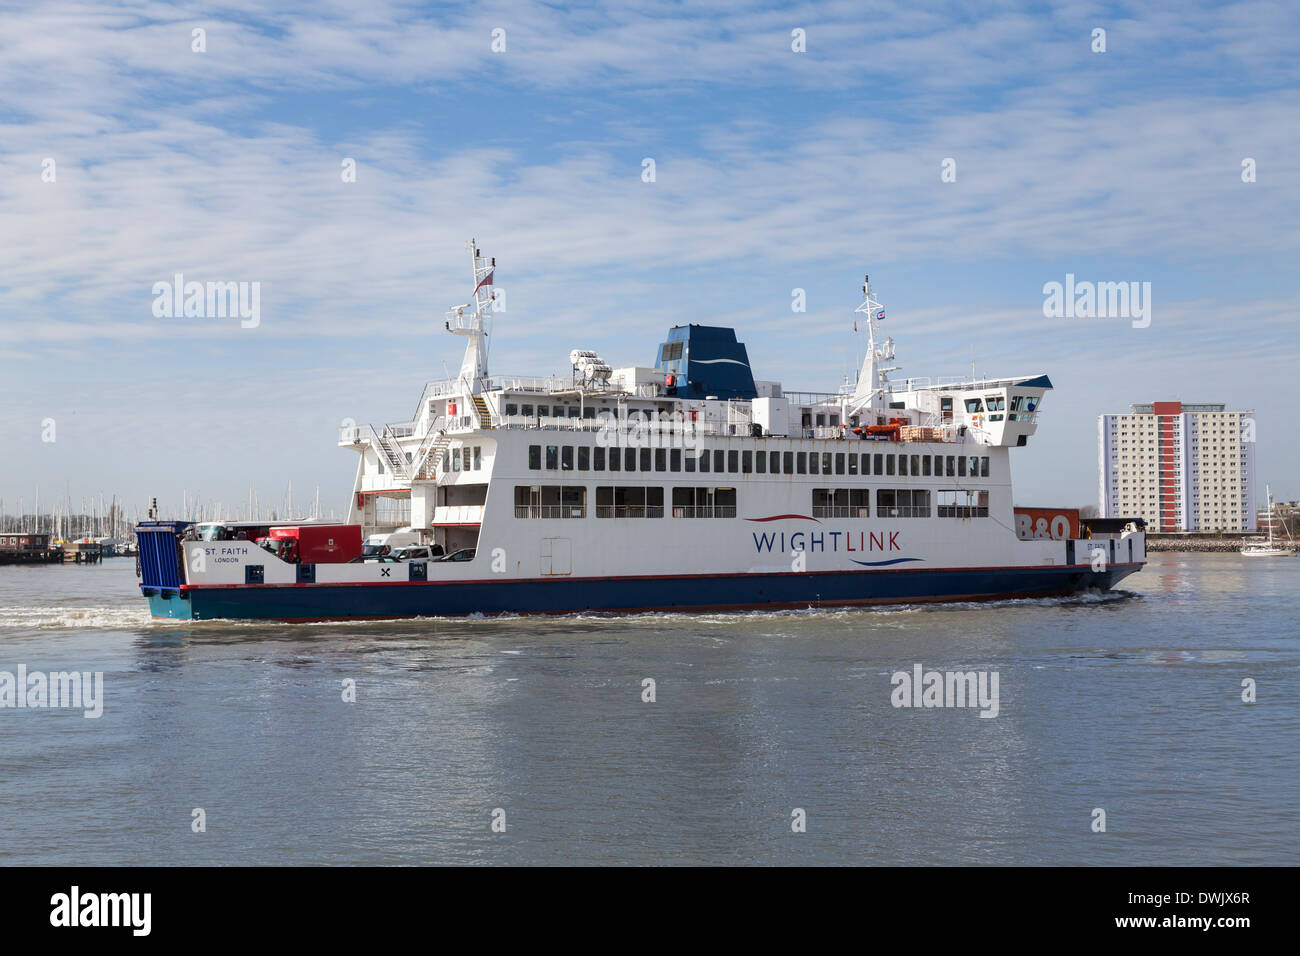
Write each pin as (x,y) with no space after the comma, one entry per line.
(570,501)
(599,458)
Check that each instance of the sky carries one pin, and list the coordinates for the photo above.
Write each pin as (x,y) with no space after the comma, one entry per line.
(132,150)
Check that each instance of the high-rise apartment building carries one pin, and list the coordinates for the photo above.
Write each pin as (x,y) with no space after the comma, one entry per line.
(1181,467)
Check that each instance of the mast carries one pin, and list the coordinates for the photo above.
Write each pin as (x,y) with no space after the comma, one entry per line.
(873,379)
(474,367)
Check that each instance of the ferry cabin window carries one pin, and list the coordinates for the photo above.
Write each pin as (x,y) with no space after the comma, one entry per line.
(961,466)
(661,459)
(952,466)
(853,465)
(598,459)
(645,459)
(674,459)
(717,461)
(588,412)
(690,462)
(801,463)
(552,457)
(821,420)
(787,463)
(615,460)
(704,503)
(527,411)
(760,462)
(704,461)
(455,459)
(622,502)
(925,466)
(584,458)
(916,465)
(839,463)
(878,464)
(812,463)
(550,501)
(902,503)
(747,461)
(534,457)
(566,458)
(841,503)
(974,465)
(902,465)
(963,504)
(826,463)
(984,466)
(629,459)
(733,462)
(512,408)
(889,464)
(573,411)
(938,466)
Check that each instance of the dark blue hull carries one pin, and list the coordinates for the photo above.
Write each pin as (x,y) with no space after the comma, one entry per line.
(313,602)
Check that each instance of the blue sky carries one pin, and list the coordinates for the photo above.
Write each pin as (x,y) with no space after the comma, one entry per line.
(774,170)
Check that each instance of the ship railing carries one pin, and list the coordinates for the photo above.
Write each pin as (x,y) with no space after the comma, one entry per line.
(357,433)
(962,511)
(813,398)
(550,511)
(704,511)
(629,511)
(911,511)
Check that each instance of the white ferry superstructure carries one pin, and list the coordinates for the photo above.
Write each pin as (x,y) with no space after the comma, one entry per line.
(686,485)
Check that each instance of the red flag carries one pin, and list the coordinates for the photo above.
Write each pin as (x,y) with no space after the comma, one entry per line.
(486,280)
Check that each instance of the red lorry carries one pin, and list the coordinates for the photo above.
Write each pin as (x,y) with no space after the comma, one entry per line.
(315,543)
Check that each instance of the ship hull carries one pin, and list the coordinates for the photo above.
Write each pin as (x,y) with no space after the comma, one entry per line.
(720,592)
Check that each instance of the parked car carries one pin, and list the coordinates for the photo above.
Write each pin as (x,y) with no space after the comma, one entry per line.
(464,554)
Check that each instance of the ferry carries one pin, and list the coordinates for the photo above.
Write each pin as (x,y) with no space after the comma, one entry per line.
(685,485)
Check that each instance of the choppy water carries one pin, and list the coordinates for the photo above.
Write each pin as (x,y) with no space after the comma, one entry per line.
(1130,702)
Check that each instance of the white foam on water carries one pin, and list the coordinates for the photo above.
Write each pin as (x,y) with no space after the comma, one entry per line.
(54,617)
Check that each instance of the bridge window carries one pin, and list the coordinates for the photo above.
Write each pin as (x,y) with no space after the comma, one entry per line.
(974,405)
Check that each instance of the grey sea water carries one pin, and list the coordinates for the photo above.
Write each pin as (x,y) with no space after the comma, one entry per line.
(1130,702)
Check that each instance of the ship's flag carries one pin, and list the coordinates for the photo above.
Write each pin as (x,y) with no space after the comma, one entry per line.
(880,315)
(486,280)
